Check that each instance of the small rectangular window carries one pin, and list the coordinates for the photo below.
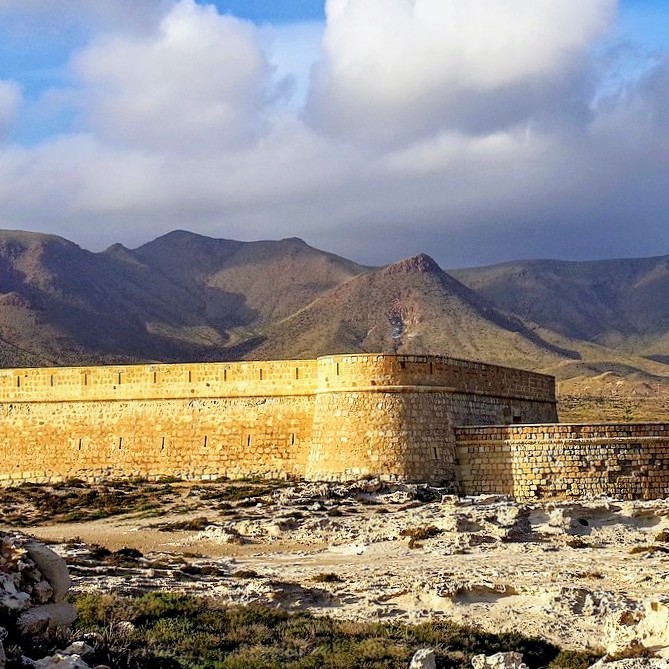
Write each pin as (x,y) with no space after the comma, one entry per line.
(51,380)
(297,372)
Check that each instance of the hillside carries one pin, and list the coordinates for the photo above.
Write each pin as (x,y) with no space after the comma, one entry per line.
(412,306)
(180,297)
(602,328)
(618,303)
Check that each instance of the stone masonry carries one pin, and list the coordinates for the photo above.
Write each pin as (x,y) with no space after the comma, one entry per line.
(334,418)
(474,427)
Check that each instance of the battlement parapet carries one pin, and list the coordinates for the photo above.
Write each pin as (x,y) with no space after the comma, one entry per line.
(272,378)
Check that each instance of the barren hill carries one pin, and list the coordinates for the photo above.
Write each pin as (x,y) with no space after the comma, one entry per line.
(412,306)
(246,283)
(619,303)
(180,297)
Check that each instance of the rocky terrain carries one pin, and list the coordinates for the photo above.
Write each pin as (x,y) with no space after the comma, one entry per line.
(589,575)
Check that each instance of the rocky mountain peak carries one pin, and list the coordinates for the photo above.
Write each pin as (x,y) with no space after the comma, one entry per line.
(421,263)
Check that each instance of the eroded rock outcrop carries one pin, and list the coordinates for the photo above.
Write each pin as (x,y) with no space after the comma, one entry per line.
(33,584)
(423,659)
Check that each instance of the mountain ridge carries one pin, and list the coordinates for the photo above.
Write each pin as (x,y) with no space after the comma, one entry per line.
(187,297)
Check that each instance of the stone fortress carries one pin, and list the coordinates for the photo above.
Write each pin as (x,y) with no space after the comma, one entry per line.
(473,427)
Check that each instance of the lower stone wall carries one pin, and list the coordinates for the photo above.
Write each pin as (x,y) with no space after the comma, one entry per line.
(628,461)
(199,438)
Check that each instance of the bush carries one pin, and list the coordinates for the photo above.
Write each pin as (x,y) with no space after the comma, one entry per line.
(328,577)
(574,659)
(417,534)
(172,631)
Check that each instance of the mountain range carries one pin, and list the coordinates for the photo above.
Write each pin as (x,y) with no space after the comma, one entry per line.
(600,326)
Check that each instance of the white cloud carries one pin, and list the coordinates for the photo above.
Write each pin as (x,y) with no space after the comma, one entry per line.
(394,69)
(432,125)
(10,102)
(201,80)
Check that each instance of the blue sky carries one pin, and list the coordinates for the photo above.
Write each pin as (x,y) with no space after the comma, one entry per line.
(272,11)
(387,129)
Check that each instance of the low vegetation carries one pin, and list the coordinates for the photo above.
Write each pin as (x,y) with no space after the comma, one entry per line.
(176,631)
(71,501)
(30,504)
(327,577)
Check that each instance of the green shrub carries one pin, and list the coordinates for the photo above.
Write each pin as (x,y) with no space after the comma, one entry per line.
(574,659)
(179,631)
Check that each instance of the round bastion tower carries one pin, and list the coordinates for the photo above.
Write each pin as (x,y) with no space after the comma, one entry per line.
(383,416)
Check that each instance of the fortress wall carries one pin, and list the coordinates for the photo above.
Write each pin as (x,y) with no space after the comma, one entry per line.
(198,438)
(338,417)
(393,416)
(126,382)
(467,409)
(366,370)
(622,460)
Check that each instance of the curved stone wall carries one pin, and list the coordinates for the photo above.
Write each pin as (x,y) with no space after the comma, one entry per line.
(397,435)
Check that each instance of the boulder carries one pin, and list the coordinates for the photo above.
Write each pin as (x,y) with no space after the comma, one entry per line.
(499,661)
(70,658)
(48,616)
(423,659)
(61,661)
(53,568)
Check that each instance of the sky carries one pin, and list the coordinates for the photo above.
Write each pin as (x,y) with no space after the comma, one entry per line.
(478,132)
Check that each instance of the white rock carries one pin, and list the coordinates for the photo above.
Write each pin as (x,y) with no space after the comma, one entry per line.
(53,568)
(40,618)
(78,648)
(61,661)
(423,659)
(124,627)
(499,661)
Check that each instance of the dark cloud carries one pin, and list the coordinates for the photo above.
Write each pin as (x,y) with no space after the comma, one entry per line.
(475,137)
